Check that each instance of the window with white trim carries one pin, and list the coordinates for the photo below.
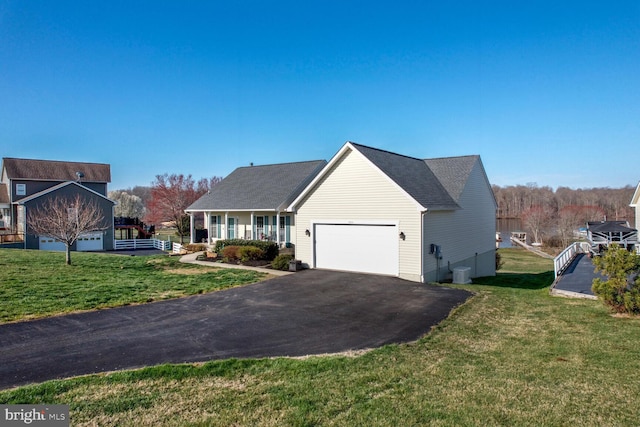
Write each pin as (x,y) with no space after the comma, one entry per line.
(21,189)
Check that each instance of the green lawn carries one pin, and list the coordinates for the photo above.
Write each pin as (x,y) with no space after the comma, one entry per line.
(37,283)
(512,355)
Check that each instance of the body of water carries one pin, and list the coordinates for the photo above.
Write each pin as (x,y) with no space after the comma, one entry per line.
(505,227)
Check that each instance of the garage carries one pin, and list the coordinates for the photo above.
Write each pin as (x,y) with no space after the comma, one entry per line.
(90,242)
(50,244)
(364,248)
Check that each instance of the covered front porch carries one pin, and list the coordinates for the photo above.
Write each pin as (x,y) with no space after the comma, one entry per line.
(250,225)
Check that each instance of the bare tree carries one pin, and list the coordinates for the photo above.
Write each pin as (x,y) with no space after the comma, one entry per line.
(65,219)
(536,220)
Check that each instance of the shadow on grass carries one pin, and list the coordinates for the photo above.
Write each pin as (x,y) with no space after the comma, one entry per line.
(517,280)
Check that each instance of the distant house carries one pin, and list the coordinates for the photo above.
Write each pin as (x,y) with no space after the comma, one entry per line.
(368,210)
(602,234)
(251,203)
(26,183)
(635,203)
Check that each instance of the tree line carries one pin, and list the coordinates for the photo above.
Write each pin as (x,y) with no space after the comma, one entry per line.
(515,200)
(553,217)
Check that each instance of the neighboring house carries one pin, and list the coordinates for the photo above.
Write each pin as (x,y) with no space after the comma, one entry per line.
(602,234)
(29,182)
(251,203)
(374,211)
(635,203)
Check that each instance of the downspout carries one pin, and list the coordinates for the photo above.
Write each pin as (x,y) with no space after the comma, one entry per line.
(422,243)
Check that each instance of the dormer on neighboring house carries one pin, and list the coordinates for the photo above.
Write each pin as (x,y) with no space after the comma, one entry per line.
(23,178)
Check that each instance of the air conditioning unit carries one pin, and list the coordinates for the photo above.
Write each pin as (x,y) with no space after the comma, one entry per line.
(461,275)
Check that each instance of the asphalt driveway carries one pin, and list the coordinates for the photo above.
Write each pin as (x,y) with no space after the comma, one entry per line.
(310,312)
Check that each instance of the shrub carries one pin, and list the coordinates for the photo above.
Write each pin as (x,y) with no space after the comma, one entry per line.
(621,290)
(270,248)
(250,253)
(499,261)
(195,247)
(230,253)
(281,262)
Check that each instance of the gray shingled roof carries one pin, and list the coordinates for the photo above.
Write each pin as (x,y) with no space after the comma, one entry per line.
(453,172)
(413,175)
(4,194)
(609,227)
(52,170)
(260,187)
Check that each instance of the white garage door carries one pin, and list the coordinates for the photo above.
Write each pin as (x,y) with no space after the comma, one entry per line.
(365,248)
(90,242)
(50,244)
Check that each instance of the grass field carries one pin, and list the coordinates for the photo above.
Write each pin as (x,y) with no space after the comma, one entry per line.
(512,355)
(38,284)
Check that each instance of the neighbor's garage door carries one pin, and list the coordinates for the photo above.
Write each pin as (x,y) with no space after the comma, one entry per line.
(90,242)
(363,248)
(50,244)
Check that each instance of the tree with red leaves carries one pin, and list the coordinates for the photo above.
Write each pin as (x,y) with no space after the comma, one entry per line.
(171,195)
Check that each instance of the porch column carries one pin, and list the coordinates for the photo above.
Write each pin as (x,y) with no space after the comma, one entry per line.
(207,226)
(192,227)
(253,236)
(226,224)
(278,228)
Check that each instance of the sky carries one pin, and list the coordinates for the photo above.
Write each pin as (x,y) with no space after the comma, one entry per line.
(546,92)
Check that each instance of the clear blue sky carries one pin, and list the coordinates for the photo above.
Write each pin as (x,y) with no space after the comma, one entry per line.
(546,92)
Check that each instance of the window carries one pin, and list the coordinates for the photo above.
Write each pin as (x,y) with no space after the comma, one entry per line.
(21,189)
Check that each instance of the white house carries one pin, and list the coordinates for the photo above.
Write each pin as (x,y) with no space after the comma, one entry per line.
(373,211)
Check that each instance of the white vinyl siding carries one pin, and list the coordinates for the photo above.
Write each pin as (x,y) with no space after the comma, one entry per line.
(356,191)
(463,233)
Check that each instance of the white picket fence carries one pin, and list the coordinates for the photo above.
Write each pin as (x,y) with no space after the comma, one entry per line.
(133,244)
